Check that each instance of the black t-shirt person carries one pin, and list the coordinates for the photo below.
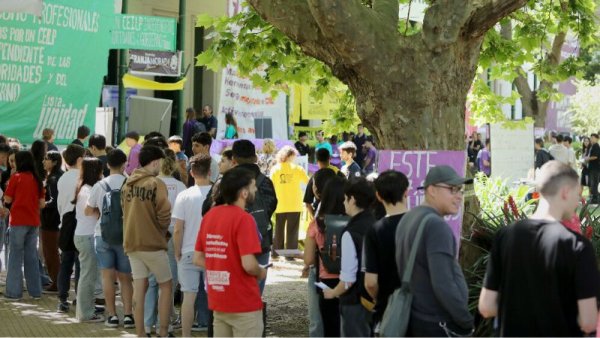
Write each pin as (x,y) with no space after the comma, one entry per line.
(379,257)
(594,165)
(540,270)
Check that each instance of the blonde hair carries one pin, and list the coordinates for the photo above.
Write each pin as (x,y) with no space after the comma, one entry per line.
(168,165)
(269,147)
(285,153)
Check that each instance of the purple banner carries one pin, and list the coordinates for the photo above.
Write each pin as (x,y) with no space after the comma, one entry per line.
(218,145)
(415,165)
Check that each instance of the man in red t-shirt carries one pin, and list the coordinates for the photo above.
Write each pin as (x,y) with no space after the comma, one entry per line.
(226,245)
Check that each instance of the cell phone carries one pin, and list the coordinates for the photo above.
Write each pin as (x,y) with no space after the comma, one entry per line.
(266,266)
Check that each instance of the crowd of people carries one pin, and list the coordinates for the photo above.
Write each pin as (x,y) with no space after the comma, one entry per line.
(170,215)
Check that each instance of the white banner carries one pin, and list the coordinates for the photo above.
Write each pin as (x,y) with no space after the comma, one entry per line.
(22,6)
(512,152)
(258,115)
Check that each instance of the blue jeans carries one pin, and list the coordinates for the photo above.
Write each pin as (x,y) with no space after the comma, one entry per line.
(68,259)
(23,253)
(87,281)
(151,302)
(263,259)
(315,321)
(44,278)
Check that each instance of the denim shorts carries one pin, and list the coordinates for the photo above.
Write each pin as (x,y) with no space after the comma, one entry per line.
(189,274)
(111,256)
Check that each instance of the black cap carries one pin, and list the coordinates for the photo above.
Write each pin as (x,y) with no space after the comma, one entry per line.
(444,174)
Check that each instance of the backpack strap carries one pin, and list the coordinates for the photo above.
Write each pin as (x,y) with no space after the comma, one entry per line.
(406,277)
(106,186)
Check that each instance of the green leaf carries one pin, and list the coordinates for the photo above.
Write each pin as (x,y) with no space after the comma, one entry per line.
(204,20)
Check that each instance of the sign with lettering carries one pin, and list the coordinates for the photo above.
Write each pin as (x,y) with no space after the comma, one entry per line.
(51,68)
(144,32)
(258,114)
(415,164)
(145,62)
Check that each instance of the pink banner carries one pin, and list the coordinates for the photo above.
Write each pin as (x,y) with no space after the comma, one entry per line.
(415,164)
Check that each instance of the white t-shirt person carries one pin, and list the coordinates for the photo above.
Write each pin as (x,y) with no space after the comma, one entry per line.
(188,206)
(96,199)
(174,188)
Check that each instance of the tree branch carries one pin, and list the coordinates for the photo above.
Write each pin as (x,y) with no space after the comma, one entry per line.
(528,97)
(388,10)
(443,22)
(300,27)
(489,13)
(357,33)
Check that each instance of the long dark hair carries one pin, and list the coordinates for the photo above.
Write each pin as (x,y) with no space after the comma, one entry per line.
(332,200)
(229,119)
(54,156)
(91,170)
(38,150)
(584,148)
(25,163)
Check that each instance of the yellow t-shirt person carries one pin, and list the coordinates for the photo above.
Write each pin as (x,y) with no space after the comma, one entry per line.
(287,178)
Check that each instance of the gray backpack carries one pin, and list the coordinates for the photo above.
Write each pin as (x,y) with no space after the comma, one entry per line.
(111,219)
(394,322)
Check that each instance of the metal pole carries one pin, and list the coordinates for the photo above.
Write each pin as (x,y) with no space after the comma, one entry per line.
(181,46)
(122,92)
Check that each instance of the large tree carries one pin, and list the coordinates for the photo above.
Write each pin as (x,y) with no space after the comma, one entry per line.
(410,85)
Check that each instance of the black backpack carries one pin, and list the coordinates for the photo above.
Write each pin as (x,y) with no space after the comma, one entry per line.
(259,210)
(67,231)
(111,218)
(331,252)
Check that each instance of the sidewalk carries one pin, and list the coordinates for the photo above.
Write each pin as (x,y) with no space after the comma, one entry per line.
(39,318)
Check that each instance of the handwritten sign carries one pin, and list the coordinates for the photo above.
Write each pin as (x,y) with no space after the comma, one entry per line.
(251,108)
(415,164)
(51,68)
(144,32)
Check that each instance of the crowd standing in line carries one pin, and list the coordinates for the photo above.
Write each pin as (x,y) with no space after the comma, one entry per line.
(170,214)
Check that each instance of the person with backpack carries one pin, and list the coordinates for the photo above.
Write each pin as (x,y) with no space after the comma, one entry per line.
(187,225)
(355,317)
(104,203)
(541,155)
(287,177)
(315,322)
(73,156)
(379,248)
(322,248)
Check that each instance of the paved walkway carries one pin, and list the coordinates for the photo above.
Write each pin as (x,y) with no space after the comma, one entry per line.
(39,318)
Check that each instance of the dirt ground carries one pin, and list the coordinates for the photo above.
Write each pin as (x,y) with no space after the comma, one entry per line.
(285,294)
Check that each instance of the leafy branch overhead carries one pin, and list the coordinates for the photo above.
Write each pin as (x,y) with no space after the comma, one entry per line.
(411,75)
(533,39)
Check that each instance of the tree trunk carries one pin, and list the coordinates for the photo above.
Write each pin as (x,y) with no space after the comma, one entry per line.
(418,105)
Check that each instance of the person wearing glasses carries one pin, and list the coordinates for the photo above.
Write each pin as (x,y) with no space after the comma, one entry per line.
(440,294)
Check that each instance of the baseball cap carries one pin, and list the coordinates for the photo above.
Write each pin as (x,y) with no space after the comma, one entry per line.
(444,174)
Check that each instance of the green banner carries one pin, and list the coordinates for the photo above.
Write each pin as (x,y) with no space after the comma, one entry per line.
(52,67)
(144,32)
